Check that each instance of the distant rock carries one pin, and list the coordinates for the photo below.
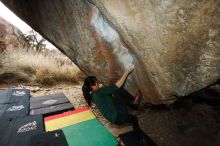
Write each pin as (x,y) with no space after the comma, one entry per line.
(8,36)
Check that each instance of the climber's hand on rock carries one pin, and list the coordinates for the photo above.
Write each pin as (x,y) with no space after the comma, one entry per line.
(130,68)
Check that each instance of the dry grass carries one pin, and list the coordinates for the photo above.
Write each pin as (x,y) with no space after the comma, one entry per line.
(30,66)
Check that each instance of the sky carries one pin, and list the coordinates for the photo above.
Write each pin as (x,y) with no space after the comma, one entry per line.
(9,16)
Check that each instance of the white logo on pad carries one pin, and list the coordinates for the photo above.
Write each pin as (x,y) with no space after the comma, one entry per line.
(19,93)
(15,108)
(50,101)
(28,127)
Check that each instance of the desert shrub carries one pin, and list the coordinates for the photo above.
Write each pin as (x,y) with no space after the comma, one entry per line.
(43,68)
(44,77)
(11,76)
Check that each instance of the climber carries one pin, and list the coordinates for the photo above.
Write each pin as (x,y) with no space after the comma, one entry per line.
(111,100)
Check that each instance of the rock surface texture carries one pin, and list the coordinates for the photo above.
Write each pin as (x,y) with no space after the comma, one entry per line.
(174,44)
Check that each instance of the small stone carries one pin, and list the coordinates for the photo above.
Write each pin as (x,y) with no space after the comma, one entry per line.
(36,89)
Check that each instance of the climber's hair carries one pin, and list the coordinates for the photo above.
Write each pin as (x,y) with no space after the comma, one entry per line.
(86,88)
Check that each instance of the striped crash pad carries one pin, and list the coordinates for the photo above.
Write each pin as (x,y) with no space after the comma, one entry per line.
(22,129)
(89,133)
(80,127)
(67,119)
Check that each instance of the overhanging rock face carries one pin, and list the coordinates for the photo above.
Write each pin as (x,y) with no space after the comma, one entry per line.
(174,44)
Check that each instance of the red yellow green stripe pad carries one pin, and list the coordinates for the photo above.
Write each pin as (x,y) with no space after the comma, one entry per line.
(89,133)
(67,119)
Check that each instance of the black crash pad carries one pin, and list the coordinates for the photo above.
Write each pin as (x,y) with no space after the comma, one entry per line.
(2,109)
(15,110)
(132,138)
(56,109)
(54,138)
(48,100)
(18,95)
(21,130)
(14,95)
(4,97)
(4,125)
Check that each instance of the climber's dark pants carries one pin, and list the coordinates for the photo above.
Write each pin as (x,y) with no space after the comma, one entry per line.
(120,99)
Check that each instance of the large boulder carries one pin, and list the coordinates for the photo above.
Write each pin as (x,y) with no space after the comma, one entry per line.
(174,44)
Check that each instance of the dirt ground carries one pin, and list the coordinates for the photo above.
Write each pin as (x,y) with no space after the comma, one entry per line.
(185,123)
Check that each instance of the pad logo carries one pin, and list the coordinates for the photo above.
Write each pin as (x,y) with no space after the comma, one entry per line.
(15,108)
(28,127)
(19,93)
(50,101)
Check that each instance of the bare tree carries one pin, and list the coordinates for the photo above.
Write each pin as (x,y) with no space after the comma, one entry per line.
(31,39)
